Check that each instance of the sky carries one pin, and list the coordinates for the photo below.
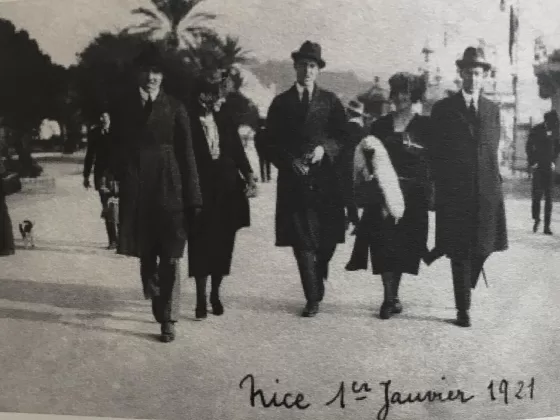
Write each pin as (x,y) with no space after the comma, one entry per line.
(370,37)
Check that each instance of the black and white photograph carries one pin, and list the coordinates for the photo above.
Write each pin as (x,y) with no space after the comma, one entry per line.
(258,209)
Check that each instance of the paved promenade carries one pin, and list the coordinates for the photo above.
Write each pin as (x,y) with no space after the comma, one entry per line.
(77,337)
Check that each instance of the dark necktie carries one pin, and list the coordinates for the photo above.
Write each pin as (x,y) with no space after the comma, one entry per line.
(148,106)
(305,101)
(472,111)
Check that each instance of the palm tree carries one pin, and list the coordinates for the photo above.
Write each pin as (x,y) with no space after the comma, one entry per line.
(233,52)
(174,21)
(213,51)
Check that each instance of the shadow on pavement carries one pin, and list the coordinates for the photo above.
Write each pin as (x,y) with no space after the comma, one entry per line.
(71,249)
(26,315)
(75,296)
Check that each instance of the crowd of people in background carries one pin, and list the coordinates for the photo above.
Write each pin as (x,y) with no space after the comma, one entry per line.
(180,173)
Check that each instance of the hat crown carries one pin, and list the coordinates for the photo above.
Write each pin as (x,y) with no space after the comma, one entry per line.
(309,47)
(150,56)
(473,57)
(473,54)
(310,50)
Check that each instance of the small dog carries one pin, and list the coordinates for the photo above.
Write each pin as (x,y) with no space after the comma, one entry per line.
(26,230)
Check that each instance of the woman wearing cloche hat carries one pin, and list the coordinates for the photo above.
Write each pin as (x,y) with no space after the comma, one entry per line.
(394,226)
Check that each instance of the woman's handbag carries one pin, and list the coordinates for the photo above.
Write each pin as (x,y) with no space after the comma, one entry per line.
(11,183)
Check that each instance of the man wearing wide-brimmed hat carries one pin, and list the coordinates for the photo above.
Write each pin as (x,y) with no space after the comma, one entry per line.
(155,165)
(306,128)
(470,214)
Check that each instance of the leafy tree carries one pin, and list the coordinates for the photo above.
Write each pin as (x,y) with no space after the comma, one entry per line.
(31,87)
(174,21)
(105,71)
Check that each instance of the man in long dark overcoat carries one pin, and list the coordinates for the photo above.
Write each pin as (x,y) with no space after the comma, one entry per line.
(158,183)
(98,159)
(470,213)
(543,147)
(305,129)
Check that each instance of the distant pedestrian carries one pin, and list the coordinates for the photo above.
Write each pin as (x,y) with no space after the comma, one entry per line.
(225,176)
(260,144)
(543,147)
(158,181)
(98,158)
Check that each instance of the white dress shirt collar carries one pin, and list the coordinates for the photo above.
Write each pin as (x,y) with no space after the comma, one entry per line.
(145,95)
(469,97)
(300,89)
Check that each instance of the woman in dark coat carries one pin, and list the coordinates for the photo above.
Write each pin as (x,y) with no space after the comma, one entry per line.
(7,245)
(397,246)
(224,175)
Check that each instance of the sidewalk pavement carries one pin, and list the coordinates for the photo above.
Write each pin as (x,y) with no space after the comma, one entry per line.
(77,337)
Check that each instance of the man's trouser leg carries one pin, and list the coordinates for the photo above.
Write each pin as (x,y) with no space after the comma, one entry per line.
(461,270)
(167,304)
(109,223)
(262,164)
(537,193)
(307,266)
(465,277)
(268,171)
(149,277)
(547,190)
(324,257)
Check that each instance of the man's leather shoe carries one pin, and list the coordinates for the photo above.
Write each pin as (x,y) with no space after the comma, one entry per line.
(536,226)
(463,319)
(547,231)
(167,332)
(310,310)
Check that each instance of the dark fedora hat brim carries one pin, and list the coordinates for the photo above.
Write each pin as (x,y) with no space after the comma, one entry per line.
(297,55)
(463,64)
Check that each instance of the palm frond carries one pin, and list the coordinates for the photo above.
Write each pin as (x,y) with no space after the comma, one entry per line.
(146,12)
(203,16)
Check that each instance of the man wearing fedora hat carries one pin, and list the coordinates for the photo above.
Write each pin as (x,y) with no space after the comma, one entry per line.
(305,130)
(470,213)
(155,166)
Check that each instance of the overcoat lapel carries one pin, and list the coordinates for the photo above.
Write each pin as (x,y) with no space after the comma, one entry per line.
(159,109)
(313,104)
(463,112)
(484,114)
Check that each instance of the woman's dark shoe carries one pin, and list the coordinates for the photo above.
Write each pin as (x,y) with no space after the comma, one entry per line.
(201,312)
(217,307)
(397,306)
(167,332)
(387,310)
